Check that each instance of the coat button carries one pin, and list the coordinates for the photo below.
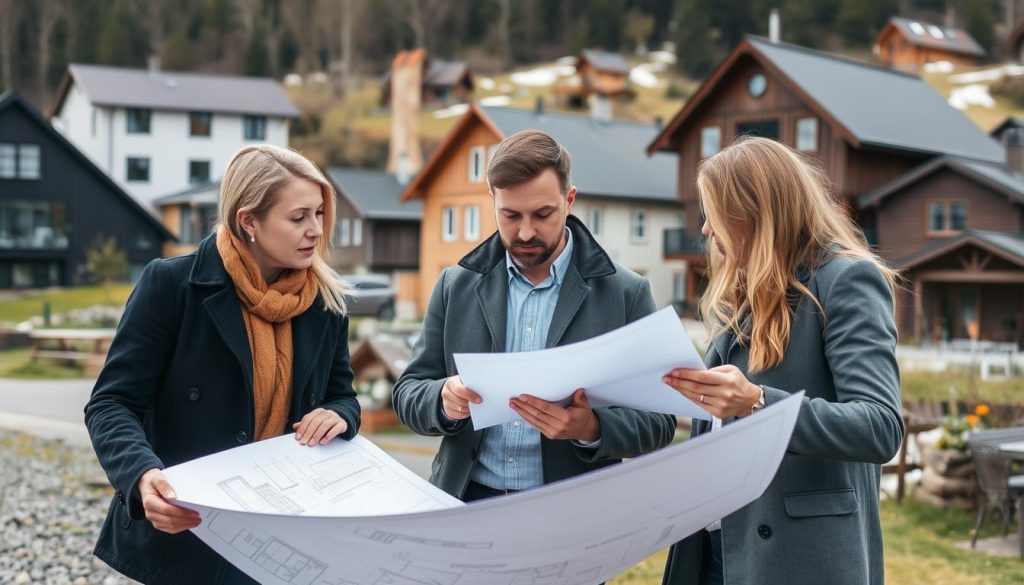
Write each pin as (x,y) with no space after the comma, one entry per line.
(241,437)
(764,531)
(193,394)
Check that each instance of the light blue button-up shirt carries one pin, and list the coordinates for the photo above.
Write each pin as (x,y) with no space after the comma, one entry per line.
(510,455)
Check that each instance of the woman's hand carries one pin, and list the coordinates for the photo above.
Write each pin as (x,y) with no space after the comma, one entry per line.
(319,427)
(156,493)
(723,391)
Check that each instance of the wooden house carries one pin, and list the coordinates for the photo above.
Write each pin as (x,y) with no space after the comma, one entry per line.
(908,44)
(929,189)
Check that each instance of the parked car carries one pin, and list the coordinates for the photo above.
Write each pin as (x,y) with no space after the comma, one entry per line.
(371,295)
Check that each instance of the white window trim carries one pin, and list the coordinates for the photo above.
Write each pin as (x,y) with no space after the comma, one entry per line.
(449,224)
(357,232)
(476,173)
(632,225)
(345,235)
(718,129)
(814,147)
(472,223)
(595,226)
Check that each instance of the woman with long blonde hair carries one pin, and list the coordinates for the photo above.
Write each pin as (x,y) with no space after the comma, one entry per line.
(795,301)
(242,340)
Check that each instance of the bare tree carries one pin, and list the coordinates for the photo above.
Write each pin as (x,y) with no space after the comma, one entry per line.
(51,12)
(505,39)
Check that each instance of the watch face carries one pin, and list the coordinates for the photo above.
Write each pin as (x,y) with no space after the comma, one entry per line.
(757,85)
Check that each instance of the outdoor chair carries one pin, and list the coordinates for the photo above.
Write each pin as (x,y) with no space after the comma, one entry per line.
(998,489)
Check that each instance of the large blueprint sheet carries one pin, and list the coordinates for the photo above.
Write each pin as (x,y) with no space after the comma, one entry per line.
(620,368)
(578,532)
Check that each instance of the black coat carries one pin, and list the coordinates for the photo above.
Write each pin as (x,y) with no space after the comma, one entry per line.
(177,385)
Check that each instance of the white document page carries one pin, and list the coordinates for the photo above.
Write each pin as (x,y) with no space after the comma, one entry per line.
(577,532)
(280,476)
(623,367)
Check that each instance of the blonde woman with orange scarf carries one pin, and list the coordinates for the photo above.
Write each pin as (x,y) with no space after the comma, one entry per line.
(244,339)
(795,301)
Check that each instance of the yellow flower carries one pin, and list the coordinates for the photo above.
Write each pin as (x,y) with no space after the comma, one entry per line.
(982,409)
(972,419)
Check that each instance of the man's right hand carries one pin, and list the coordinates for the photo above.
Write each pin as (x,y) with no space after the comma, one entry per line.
(455,399)
(155,492)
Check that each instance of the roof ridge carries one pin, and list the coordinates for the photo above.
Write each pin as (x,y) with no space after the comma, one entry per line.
(831,56)
(170,72)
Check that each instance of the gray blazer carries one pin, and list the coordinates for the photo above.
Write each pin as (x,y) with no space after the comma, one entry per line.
(818,521)
(467,313)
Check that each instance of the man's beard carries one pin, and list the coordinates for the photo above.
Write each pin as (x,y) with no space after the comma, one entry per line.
(532,259)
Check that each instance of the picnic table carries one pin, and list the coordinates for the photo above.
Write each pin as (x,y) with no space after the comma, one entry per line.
(66,344)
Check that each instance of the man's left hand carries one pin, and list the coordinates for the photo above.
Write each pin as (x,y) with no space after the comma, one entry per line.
(576,421)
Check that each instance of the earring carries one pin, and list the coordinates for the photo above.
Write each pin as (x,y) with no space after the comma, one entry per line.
(252,238)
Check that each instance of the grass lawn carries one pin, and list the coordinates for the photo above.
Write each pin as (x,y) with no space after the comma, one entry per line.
(14,363)
(936,386)
(62,300)
(919,550)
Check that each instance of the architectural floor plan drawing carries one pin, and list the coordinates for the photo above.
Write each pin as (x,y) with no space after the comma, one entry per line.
(577,532)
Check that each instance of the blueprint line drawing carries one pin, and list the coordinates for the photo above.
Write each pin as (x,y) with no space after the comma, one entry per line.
(400,530)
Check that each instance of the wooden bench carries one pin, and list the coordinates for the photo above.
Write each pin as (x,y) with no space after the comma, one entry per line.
(68,348)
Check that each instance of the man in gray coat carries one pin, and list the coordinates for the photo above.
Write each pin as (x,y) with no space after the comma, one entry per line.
(541,281)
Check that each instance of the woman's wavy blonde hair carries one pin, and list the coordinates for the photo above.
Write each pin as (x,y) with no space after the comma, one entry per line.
(252,181)
(773,213)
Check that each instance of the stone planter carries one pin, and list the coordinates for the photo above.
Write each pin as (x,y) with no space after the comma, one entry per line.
(948,479)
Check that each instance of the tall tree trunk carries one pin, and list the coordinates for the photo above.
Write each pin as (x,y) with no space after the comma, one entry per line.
(345,66)
(50,13)
(7,26)
(503,33)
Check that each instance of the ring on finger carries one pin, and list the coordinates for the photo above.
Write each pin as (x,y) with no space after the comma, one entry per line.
(702,398)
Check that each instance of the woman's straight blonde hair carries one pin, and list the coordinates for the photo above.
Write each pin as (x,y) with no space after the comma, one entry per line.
(252,181)
(773,212)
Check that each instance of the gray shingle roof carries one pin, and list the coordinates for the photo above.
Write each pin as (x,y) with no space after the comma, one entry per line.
(1010,244)
(376,193)
(997,174)
(605,61)
(445,73)
(879,106)
(172,90)
(608,158)
(206,194)
(923,34)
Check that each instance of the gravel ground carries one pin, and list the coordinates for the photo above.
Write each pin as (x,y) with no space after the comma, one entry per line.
(53,498)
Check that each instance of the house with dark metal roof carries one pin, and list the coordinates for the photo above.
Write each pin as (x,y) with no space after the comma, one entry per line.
(442,83)
(908,44)
(189,214)
(916,173)
(55,204)
(598,72)
(157,132)
(375,231)
(625,198)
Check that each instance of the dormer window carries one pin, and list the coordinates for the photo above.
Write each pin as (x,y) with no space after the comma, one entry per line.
(946,218)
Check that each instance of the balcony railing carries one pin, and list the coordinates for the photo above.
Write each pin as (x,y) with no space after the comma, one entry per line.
(678,242)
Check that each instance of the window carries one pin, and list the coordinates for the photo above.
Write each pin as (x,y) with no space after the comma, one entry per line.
(345,232)
(766,129)
(19,161)
(710,141)
(946,217)
(138,169)
(186,226)
(357,232)
(198,172)
(476,164)
(679,286)
(199,123)
(594,217)
(448,224)
(254,127)
(807,134)
(33,225)
(472,233)
(138,120)
(638,225)
(8,161)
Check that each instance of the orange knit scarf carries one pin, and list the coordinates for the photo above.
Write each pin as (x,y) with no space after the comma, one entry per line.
(267,312)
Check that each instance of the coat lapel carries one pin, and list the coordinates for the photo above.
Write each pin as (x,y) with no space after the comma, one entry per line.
(492,292)
(574,292)
(225,311)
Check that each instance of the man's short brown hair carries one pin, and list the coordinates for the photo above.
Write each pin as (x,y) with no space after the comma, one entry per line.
(525,155)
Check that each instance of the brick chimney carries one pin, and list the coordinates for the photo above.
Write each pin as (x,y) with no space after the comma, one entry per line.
(1014,141)
(405,155)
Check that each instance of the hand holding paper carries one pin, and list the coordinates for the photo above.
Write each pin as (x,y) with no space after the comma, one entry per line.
(620,368)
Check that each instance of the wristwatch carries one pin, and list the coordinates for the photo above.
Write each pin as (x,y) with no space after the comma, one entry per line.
(760,401)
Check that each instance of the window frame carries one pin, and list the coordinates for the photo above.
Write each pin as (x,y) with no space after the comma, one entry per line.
(814,146)
(250,121)
(477,172)
(449,223)
(193,117)
(209,170)
(128,169)
(471,223)
(136,115)
(704,133)
(947,206)
(642,224)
